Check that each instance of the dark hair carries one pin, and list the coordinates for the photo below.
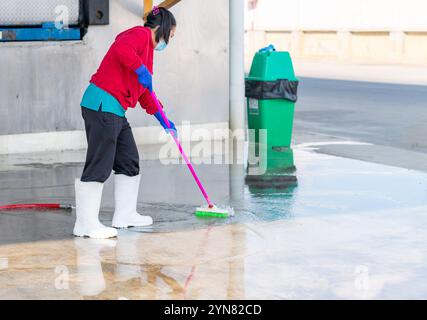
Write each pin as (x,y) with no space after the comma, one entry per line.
(163,18)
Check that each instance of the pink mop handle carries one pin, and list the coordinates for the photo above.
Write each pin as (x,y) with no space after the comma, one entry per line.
(187,161)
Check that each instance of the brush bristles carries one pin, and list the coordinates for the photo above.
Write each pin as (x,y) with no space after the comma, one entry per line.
(211,214)
(214,212)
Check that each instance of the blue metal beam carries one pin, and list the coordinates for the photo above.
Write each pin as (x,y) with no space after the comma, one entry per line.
(47,32)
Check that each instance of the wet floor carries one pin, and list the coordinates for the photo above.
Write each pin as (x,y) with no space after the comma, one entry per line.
(324,227)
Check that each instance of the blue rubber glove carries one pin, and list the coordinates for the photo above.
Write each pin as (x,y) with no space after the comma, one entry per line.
(145,78)
(172,128)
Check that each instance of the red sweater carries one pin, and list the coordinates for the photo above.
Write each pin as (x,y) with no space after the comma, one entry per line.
(116,74)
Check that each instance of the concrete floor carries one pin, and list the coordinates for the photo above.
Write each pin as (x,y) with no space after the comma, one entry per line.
(334,228)
(385,73)
(389,117)
(329,227)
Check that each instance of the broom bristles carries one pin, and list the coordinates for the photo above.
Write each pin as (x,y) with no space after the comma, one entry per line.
(213,212)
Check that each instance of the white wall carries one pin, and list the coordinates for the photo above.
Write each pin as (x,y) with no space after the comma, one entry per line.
(45,80)
(353,15)
(344,31)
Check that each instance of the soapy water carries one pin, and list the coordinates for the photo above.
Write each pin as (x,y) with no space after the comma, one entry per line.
(168,218)
(319,185)
(261,199)
(174,217)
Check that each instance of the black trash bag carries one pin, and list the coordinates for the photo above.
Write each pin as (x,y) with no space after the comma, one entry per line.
(269,90)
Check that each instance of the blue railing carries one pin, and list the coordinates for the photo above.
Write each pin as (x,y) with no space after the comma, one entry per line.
(47,32)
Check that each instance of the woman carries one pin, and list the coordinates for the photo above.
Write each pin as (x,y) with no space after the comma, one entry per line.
(123,79)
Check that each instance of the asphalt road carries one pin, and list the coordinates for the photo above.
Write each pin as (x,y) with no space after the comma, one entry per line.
(393,117)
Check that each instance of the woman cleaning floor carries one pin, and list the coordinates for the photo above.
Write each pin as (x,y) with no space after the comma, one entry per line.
(123,79)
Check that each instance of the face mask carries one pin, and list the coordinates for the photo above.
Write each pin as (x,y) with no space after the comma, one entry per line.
(161,45)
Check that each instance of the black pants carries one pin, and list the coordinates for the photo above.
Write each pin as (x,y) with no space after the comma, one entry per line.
(111,146)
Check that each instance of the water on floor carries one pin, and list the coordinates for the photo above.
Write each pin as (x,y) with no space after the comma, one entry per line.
(318,185)
(318,228)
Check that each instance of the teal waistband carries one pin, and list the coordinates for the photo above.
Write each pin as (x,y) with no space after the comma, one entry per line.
(94,97)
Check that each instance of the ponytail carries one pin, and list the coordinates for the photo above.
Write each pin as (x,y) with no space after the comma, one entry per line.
(162,18)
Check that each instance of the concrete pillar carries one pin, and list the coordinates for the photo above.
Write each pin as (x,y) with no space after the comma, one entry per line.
(237,66)
(237,93)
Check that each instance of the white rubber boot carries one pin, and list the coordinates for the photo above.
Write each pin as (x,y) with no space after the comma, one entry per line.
(88,202)
(126,196)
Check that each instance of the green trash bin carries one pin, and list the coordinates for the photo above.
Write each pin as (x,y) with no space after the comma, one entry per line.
(271,92)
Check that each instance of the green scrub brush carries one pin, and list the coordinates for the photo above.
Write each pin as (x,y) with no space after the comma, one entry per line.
(214,211)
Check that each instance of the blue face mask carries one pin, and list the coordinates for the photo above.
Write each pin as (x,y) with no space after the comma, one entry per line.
(161,45)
